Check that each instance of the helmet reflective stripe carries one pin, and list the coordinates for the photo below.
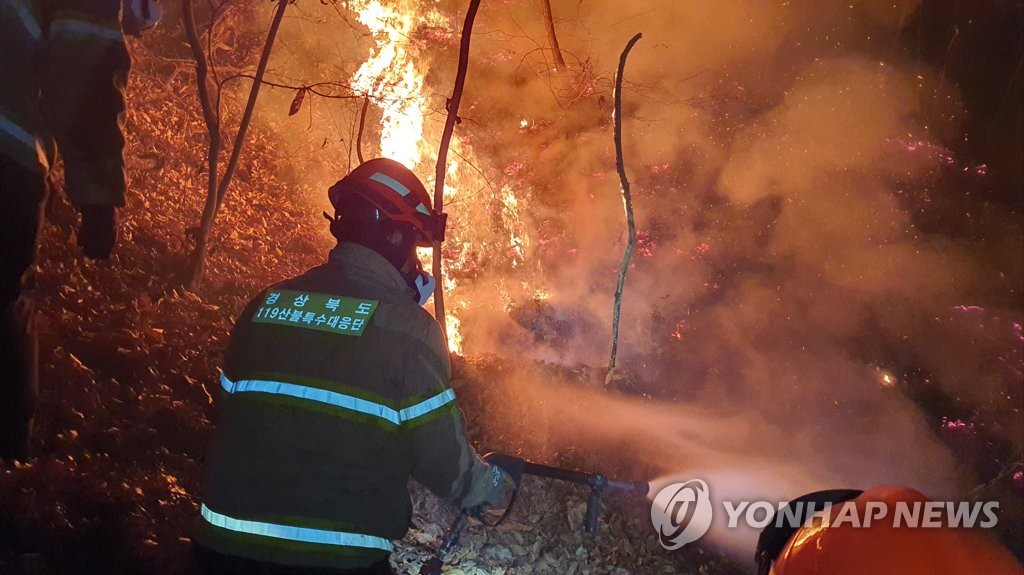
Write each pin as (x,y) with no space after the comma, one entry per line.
(398,187)
(26,17)
(397,192)
(293,533)
(391,183)
(72,27)
(340,400)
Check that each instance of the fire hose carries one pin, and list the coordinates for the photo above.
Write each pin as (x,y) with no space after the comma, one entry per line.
(517,467)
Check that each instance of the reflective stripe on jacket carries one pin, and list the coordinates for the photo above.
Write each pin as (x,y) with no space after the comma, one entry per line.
(345,403)
(66,61)
(323,419)
(20,119)
(83,80)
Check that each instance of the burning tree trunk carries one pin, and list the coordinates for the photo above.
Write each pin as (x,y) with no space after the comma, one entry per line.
(442,155)
(627,201)
(362,125)
(217,186)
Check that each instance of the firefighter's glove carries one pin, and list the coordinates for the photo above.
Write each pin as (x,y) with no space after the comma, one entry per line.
(138,16)
(98,232)
(425,284)
(502,488)
(513,466)
(507,475)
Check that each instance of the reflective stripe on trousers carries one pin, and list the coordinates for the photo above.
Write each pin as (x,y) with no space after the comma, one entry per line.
(293,533)
(18,133)
(25,16)
(340,400)
(19,144)
(73,27)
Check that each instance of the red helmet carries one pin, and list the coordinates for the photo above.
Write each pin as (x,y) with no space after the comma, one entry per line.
(397,193)
(882,549)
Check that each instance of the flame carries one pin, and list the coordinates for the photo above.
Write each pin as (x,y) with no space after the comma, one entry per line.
(454,333)
(390,78)
(393,76)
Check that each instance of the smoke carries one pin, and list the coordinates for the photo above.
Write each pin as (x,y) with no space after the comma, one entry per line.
(809,245)
(785,280)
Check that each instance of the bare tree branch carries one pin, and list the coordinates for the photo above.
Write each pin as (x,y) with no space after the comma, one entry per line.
(218,186)
(314,88)
(627,201)
(442,156)
(362,124)
(243,127)
(210,114)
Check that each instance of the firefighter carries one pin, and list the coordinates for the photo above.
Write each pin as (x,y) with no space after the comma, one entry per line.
(850,548)
(335,391)
(64,68)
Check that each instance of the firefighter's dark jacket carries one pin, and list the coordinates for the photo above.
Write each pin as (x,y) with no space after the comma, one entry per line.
(320,429)
(64,66)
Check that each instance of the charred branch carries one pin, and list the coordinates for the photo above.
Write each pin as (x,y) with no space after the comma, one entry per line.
(442,155)
(362,126)
(627,200)
(316,88)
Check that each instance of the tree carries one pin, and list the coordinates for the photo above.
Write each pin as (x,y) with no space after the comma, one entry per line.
(209,99)
(549,21)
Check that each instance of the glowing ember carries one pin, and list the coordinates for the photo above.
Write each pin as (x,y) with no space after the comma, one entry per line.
(940,155)
(886,378)
(680,330)
(645,243)
(957,425)
(701,250)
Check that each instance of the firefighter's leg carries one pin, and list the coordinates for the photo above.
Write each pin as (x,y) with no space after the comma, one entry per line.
(23,191)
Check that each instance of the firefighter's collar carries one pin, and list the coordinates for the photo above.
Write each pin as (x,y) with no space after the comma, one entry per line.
(366,264)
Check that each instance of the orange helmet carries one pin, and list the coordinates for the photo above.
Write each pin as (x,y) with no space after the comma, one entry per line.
(882,549)
(397,193)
